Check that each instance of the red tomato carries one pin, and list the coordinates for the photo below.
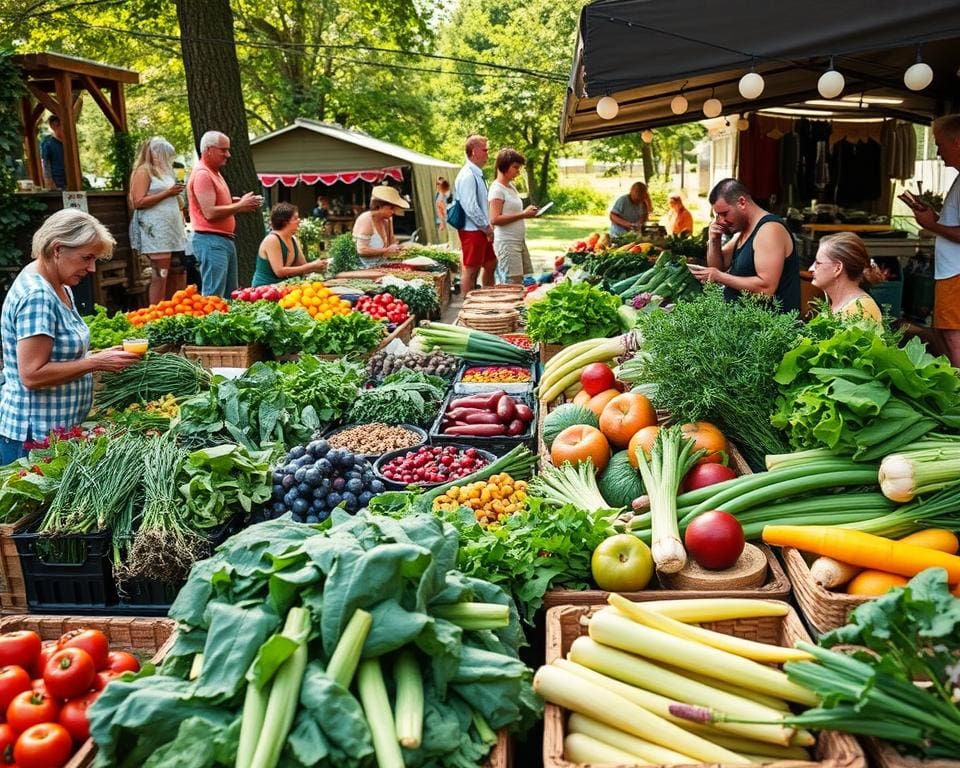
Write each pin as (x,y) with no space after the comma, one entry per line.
(8,737)
(13,680)
(69,673)
(37,686)
(93,641)
(121,661)
(596,378)
(47,650)
(702,475)
(29,708)
(101,679)
(714,539)
(73,717)
(19,648)
(47,745)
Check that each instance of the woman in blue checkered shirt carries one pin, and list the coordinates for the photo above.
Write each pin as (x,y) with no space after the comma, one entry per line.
(47,379)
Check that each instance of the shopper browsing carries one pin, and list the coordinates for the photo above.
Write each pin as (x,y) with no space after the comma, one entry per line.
(630,212)
(508,216)
(476,235)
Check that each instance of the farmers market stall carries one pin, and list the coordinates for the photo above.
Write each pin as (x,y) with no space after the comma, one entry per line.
(353,538)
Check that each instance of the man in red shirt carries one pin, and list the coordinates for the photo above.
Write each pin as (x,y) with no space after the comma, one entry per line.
(212,212)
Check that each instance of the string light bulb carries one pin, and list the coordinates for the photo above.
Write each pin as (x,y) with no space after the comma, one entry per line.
(831,83)
(743,124)
(712,106)
(608,108)
(647,136)
(751,85)
(919,75)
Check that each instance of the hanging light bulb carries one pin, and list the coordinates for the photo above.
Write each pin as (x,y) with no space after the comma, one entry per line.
(743,124)
(608,108)
(831,83)
(919,75)
(712,106)
(751,85)
(647,136)
(678,104)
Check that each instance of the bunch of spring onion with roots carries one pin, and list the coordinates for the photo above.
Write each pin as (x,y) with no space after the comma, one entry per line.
(164,546)
(671,457)
(473,345)
(570,484)
(921,467)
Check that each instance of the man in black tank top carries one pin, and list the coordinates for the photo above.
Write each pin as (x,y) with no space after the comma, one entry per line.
(760,258)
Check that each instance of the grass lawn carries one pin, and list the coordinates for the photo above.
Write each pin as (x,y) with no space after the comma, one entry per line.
(550,236)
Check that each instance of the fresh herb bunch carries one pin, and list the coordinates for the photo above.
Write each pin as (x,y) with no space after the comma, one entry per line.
(343,255)
(573,312)
(150,379)
(405,397)
(420,297)
(910,634)
(176,330)
(106,331)
(856,392)
(343,335)
(714,361)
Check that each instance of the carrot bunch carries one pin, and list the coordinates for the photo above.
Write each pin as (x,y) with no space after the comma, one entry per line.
(184,302)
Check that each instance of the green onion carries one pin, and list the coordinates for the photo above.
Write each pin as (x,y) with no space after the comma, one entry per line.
(150,379)
(570,484)
(474,345)
(909,473)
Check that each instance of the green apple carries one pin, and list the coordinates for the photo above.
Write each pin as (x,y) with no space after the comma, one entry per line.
(622,563)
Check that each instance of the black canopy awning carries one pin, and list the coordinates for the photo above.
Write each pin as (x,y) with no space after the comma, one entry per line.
(644,52)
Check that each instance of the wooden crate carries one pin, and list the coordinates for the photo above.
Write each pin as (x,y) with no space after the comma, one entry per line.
(833,750)
(150,637)
(823,609)
(501,755)
(884,755)
(13,590)
(550,350)
(227,357)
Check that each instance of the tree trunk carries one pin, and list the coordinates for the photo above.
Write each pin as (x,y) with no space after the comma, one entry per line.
(544,179)
(648,167)
(216,104)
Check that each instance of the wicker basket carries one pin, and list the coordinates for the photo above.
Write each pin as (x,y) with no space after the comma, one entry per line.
(833,750)
(226,357)
(550,350)
(823,609)
(151,637)
(501,755)
(13,590)
(490,319)
(884,755)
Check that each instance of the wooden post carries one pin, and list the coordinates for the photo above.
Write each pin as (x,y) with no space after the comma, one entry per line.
(31,154)
(119,102)
(71,147)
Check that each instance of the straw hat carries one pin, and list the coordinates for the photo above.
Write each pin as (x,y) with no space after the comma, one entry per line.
(389,195)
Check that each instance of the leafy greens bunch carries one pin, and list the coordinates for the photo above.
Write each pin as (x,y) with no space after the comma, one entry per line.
(856,392)
(343,255)
(419,296)
(714,361)
(231,612)
(174,329)
(404,397)
(573,312)
(106,331)
(342,335)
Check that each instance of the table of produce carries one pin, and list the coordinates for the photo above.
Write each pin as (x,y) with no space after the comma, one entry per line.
(696,532)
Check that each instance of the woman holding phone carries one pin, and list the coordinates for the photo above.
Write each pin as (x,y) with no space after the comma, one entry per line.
(508,217)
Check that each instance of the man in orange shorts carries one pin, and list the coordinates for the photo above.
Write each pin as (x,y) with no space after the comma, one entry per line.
(946,226)
(476,236)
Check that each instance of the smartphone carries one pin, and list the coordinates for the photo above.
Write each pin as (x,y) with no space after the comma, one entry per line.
(546,207)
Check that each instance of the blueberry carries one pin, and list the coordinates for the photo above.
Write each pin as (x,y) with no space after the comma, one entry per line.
(297,451)
(364,498)
(312,520)
(289,468)
(319,493)
(367,476)
(338,484)
(288,481)
(325,467)
(352,475)
(278,491)
(377,486)
(304,461)
(278,508)
(333,499)
(349,501)
(304,489)
(300,474)
(288,498)
(277,475)
(355,486)
(313,477)
(325,483)
(323,515)
(319,448)
(299,507)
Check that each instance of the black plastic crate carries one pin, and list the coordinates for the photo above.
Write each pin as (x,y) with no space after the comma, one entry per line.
(462,389)
(498,445)
(67,574)
(152,597)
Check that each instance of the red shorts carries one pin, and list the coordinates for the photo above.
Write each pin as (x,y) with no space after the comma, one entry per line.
(477,250)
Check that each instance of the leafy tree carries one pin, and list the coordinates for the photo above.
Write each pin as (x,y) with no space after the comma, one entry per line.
(519,105)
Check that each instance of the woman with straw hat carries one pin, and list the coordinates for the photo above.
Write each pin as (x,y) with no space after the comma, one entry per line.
(373,230)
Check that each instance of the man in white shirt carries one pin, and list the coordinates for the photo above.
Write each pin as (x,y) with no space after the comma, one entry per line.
(946,226)
(476,237)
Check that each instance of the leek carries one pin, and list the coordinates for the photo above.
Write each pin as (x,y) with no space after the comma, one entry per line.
(907,474)
(671,458)
(471,344)
(569,484)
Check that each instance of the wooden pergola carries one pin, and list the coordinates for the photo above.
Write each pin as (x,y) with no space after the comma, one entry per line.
(55,83)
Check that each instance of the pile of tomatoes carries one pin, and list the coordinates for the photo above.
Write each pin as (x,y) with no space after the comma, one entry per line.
(261,293)
(184,302)
(45,689)
(383,307)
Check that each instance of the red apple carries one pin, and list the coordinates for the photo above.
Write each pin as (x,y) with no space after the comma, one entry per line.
(597,377)
(714,539)
(702,475)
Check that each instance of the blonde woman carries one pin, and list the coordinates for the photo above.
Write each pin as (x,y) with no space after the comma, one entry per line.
(157,227)
(840,269)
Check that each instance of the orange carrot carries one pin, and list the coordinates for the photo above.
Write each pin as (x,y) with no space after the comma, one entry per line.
(863,549)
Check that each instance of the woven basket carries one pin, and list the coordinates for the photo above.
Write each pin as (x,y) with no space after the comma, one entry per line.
(13,590)
(884,755)
(226,357)
(823,609)
(151,637)
(833,750)
(490,320)
(501,755)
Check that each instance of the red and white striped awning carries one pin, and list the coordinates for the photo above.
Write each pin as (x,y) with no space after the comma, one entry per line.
(329,179)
